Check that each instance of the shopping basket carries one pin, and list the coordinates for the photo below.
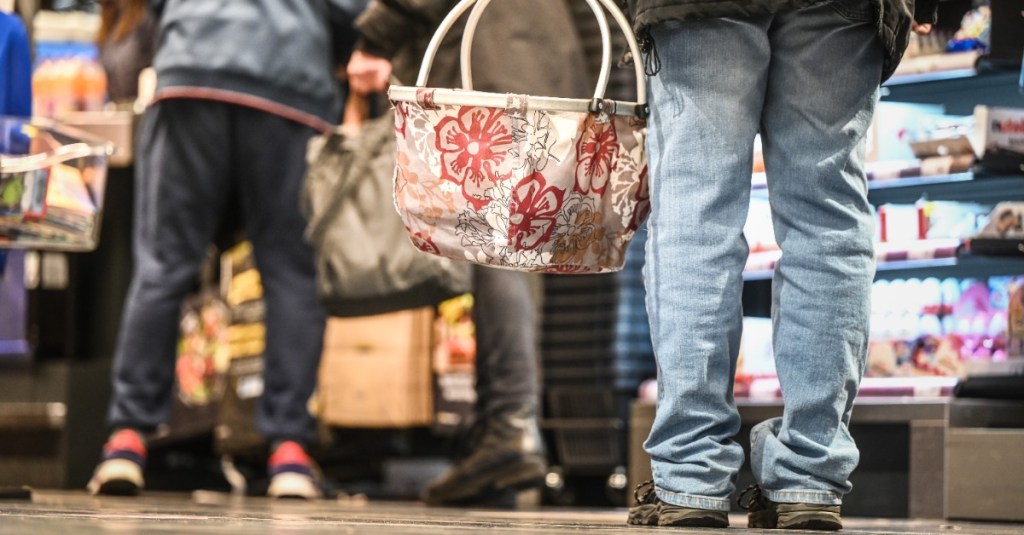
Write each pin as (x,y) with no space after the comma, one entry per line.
(52,182)
(520,181)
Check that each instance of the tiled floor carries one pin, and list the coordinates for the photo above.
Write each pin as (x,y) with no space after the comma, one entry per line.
(67,513)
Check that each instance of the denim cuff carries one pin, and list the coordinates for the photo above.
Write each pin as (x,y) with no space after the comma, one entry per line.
(696,502)
(817,497)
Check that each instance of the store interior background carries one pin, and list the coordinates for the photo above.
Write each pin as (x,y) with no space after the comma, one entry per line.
(393,390)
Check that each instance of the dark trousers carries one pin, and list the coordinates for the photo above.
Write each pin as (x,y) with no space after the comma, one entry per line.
(506,334)
(196,160)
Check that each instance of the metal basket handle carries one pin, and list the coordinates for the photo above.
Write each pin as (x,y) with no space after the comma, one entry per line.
(606,65)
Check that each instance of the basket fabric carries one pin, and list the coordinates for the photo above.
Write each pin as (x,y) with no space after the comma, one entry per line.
(520,188)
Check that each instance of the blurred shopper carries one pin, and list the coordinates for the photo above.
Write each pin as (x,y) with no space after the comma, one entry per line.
(127,43)
(242,86)
(805,75)
(16,62)
(522,46)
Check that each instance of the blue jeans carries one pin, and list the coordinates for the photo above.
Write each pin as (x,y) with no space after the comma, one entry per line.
(807,81)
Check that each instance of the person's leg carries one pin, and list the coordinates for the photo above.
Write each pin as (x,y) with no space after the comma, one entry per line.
(270,156)
(508,453)
(182,187)
(705,107)
(825,69)
(505,318)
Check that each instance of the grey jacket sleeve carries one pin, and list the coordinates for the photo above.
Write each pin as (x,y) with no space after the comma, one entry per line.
(388,25)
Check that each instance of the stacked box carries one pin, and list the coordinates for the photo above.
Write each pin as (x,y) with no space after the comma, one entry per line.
(375,371)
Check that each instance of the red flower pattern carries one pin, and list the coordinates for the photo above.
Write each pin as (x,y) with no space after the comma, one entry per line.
(643,201)
(596,153)
(423,241)
(473,148)
(533,211)
(401,116)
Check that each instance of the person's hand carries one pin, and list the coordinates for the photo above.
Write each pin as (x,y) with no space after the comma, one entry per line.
(368,73)
(920,29)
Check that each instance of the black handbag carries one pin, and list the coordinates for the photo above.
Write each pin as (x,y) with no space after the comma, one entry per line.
(365,261)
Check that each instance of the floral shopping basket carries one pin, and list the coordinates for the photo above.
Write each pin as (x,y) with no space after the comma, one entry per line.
(521,182)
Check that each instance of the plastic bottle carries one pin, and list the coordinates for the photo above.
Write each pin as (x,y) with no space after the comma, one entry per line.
(90,86)
(43,81)
(64,80)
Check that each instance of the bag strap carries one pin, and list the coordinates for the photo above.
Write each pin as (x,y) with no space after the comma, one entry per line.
(351,179)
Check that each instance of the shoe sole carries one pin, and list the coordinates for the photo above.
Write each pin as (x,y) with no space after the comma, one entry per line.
(289,486)
(520,476)
(815,524)
(695,519)
(117,477)
(118,487)
(810,520)
(643,515)
(697,523)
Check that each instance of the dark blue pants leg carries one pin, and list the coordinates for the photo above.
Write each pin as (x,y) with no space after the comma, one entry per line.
(195,155)
(183,183)
(271,164)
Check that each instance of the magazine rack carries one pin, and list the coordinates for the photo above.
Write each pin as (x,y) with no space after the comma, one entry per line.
(52,182)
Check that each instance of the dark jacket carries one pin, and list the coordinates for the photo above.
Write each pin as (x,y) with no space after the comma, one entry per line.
(123,59)
(278,51)
(522,46)
(893,17)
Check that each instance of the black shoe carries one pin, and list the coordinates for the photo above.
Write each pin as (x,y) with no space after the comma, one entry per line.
(763,513)
(509,455)
(645,512)
(651,511)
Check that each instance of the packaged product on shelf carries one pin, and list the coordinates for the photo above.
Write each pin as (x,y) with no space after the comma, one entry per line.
(999,139)
(1006,221)
(1015,318)
(931,327)
(1003,235)
(756,358)
(67,76)
(241,289)
(974,32)
(929,220)
(913,140)
(893,126)
(454,364)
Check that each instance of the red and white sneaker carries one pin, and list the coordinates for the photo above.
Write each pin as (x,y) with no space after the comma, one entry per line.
(120,471)
(293,474)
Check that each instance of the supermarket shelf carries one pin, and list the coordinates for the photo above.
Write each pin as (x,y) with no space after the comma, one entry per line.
(929,77)
(961,267)
(958,91)
(26,416)
(866,409)
(964,187)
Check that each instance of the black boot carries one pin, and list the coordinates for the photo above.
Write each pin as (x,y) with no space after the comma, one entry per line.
(509,456)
